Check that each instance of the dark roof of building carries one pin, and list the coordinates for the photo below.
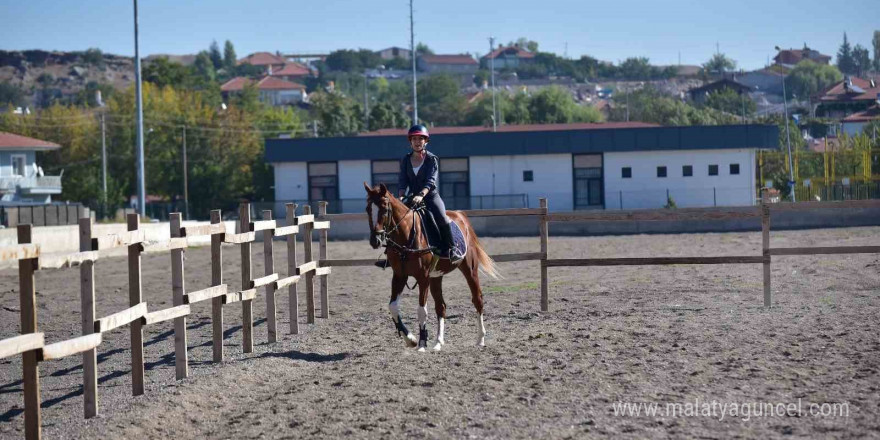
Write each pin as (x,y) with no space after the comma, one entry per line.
(858,90)
(871,114)
(292,69)
(513,50)
(794,56)
(267,83)
(262,59)
(721,84)
(11,141)
(480,141)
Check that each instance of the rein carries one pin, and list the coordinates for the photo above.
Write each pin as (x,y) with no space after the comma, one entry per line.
(389,221)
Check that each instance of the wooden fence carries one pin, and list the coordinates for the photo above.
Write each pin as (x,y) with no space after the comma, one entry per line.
(31,343)
(32,347)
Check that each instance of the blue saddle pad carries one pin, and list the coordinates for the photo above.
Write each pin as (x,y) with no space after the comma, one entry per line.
(434,240)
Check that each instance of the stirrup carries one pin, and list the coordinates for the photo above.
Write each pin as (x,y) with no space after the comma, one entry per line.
(381,264)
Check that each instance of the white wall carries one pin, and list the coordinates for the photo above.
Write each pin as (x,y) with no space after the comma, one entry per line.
(552,178)
(352,175)
(291,181)
(646,190)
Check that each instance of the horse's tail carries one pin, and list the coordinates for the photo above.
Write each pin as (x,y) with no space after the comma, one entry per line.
(485,263)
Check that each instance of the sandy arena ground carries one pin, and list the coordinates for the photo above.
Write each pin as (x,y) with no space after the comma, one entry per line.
(657,334)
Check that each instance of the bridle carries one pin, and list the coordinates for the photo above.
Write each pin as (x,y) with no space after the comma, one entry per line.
(389,226)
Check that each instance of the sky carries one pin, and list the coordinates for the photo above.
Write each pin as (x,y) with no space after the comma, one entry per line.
(662,30)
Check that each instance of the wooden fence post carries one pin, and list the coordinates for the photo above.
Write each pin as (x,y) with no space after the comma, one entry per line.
(545,285)
(134,298)
(291,269)
(29,365)
(765,244)
(87,301)
(322,255)
(178,289)
(269,262)
(247,316)
(216,280)
(310,275)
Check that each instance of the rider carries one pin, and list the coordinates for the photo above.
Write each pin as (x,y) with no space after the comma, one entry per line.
(419,171)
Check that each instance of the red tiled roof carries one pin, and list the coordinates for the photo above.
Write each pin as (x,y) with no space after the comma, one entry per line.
(292,69)
(262,59)
(267,83)
(449,59)
(14,141)
(516,128)
(520,52)
(871,114)
(838,92)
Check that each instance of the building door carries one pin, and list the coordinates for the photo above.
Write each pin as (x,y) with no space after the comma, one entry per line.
(455,183)
(588,193)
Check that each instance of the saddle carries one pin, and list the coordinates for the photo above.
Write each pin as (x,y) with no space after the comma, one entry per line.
(431,232)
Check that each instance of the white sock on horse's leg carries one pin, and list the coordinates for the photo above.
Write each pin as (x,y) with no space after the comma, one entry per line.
(481,331)
(441,327)
(423,322)
(394,308)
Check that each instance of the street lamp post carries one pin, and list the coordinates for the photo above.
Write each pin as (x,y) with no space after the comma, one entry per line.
(492,68)
(142,197)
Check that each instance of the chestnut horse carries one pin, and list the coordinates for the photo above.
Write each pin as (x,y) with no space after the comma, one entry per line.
(409,255)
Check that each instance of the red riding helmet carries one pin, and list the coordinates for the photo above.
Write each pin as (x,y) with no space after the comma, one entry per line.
(418,130)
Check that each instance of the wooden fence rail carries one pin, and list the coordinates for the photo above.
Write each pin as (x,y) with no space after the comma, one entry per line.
(31,343)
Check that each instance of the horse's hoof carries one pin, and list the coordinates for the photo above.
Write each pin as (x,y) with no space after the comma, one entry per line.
(411,340)
(438,346)
(421,349)
(481,342)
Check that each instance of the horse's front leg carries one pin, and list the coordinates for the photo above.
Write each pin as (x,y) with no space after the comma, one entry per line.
(398,282)
(423,312)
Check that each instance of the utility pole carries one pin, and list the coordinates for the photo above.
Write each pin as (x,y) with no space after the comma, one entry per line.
(492,68)
(412,53)
(142,195)
(366,114)
(103,157)
(185,180)
(788,141)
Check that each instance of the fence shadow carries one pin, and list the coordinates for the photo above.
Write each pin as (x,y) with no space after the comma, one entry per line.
(308,357)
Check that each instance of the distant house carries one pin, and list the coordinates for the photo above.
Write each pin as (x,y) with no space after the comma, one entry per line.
(790,57)
(852,95)
(290,72)
(455,64)
(265,60)
(507,57)
(764,80)
(854,124)
(699,94)
(394,52)
(273,91)
(21,179)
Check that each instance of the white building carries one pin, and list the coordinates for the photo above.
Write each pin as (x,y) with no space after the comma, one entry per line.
(575,166)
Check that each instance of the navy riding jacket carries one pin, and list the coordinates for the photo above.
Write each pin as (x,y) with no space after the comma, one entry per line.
(426,177)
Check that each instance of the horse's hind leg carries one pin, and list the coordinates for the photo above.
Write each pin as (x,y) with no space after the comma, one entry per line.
(397,285)
(472,276)
(423,313)
(440,308)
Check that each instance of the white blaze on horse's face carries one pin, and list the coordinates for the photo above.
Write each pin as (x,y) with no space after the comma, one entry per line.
(375,219)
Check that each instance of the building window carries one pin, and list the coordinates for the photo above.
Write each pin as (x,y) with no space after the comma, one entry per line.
(455,183)
(386,171)
(626,172)
(687,171)
(661,171)
(528,176)
(323,182)
(713,170)
(18,161)
(734,169)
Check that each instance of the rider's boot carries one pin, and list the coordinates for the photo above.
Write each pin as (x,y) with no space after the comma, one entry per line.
(448,244)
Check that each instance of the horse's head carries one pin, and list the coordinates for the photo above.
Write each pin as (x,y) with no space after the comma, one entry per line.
(381,221)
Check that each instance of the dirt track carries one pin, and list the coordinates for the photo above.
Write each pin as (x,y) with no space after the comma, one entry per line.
(662,335)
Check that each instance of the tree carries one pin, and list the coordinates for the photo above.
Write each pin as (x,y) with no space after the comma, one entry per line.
(719,63)
(635,68)
(162,72)
(845,60)
(861,60)
(204,66)
(482,76)
(554,105)
(729,101)
(525,43)
(336,114)
(423,49)
(385,115)
(348,60)
(95,57)
(440,102)
(809,78)
(480,112)
(229,58)
(876,42)
(11,95)
(650,105)
(216,57)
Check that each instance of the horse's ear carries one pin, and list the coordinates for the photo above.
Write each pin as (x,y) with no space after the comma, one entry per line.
(367,187)
(383,188)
